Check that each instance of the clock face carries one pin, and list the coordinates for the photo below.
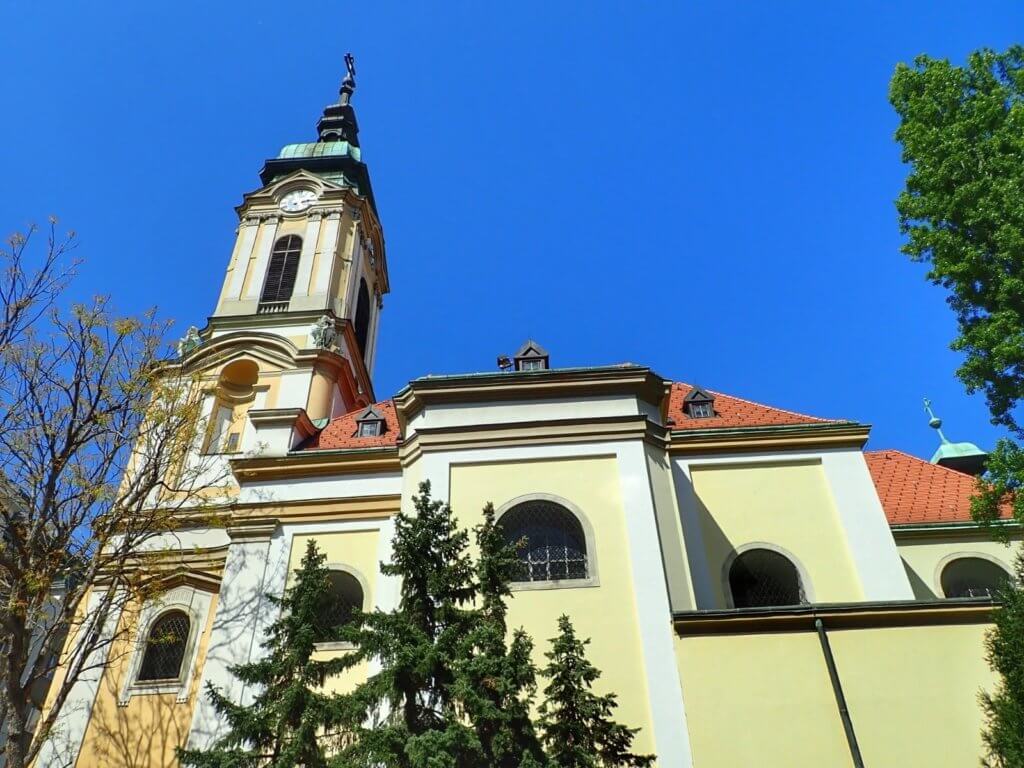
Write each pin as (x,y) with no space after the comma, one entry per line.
(298,200)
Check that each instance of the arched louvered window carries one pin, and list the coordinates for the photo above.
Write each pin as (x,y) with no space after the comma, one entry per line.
(362,316)
(550,540)
(763,578)
(165,647)
(346,599)
(973,577)
(284,267)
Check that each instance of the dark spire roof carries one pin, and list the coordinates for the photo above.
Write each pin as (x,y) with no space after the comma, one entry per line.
(338,122)
(335,155)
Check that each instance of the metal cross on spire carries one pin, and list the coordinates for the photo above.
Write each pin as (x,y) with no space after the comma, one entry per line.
(348,85)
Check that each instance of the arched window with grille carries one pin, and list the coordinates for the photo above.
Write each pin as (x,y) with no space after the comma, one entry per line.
(761,578)
(346,598)
(973,577)
(362,321)
(283,269)
(550,541)
(165,647)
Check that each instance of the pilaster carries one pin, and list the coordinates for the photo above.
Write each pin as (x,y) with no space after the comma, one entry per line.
(328,253)
(234,637)
(246,240)
(309,243)
(259,270)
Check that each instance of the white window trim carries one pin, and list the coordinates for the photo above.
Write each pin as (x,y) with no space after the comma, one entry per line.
(948,559)
(195,603)
(801,573)
(345,645)
(592,579)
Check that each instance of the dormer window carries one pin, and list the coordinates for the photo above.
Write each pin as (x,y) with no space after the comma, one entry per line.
(699,404)
(531,357)
(370,423)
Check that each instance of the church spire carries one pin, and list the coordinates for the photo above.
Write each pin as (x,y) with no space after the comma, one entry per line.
(339,120)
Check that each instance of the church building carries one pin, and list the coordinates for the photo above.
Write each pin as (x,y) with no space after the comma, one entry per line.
(759,589)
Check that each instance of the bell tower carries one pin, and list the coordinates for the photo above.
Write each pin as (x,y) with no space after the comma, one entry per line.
(308,262)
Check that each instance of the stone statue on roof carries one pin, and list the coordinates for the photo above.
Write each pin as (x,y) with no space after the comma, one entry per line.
(324,333)
(189,341)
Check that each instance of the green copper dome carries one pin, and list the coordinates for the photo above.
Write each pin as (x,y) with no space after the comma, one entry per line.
(335,155)
(963,457)
(319,149)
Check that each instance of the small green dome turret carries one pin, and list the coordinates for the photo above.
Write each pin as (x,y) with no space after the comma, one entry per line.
(963,457)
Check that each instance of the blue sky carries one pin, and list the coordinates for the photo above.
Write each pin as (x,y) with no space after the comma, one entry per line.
(703,188)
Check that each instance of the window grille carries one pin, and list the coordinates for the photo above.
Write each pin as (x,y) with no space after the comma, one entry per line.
(763,578)
(700,410)
(346,600)
(550,540)
(283,269)
(369,428)
(165,647)
(972,577)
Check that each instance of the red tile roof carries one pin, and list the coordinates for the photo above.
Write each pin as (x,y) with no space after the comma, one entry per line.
(915,491)
(733,412)
(729,412)
(341,431)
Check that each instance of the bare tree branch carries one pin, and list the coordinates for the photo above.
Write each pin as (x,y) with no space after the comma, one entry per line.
(95,462)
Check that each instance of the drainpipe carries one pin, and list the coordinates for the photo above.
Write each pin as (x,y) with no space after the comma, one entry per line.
(837,689)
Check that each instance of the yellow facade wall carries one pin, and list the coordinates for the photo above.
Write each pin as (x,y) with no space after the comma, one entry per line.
(765,699)
(924,558)
(356,550)
(787,506)
(759,700)
(605,613)
(913,692)
(145,732)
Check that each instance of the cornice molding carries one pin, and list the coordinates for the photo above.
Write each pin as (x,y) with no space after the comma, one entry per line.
(547,432)
(801,618)
(963,530)
(800,436)
(316,463)
(504,386)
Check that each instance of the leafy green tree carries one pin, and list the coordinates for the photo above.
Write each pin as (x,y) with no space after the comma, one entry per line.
(962,132)
(1005,707)
(292,721)
(577,725)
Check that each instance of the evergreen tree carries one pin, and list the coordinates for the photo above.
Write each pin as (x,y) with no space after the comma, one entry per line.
(577,726)
(290,721)
(497,679)
(1004,736)
(407,714)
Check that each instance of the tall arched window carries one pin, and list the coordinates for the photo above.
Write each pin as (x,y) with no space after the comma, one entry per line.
(362,316)
(550,540)
(972,577)
(165,647)
(284,266)
(763,578)
(346,597)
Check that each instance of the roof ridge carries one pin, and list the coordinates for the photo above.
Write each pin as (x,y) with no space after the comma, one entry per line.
(959,475)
